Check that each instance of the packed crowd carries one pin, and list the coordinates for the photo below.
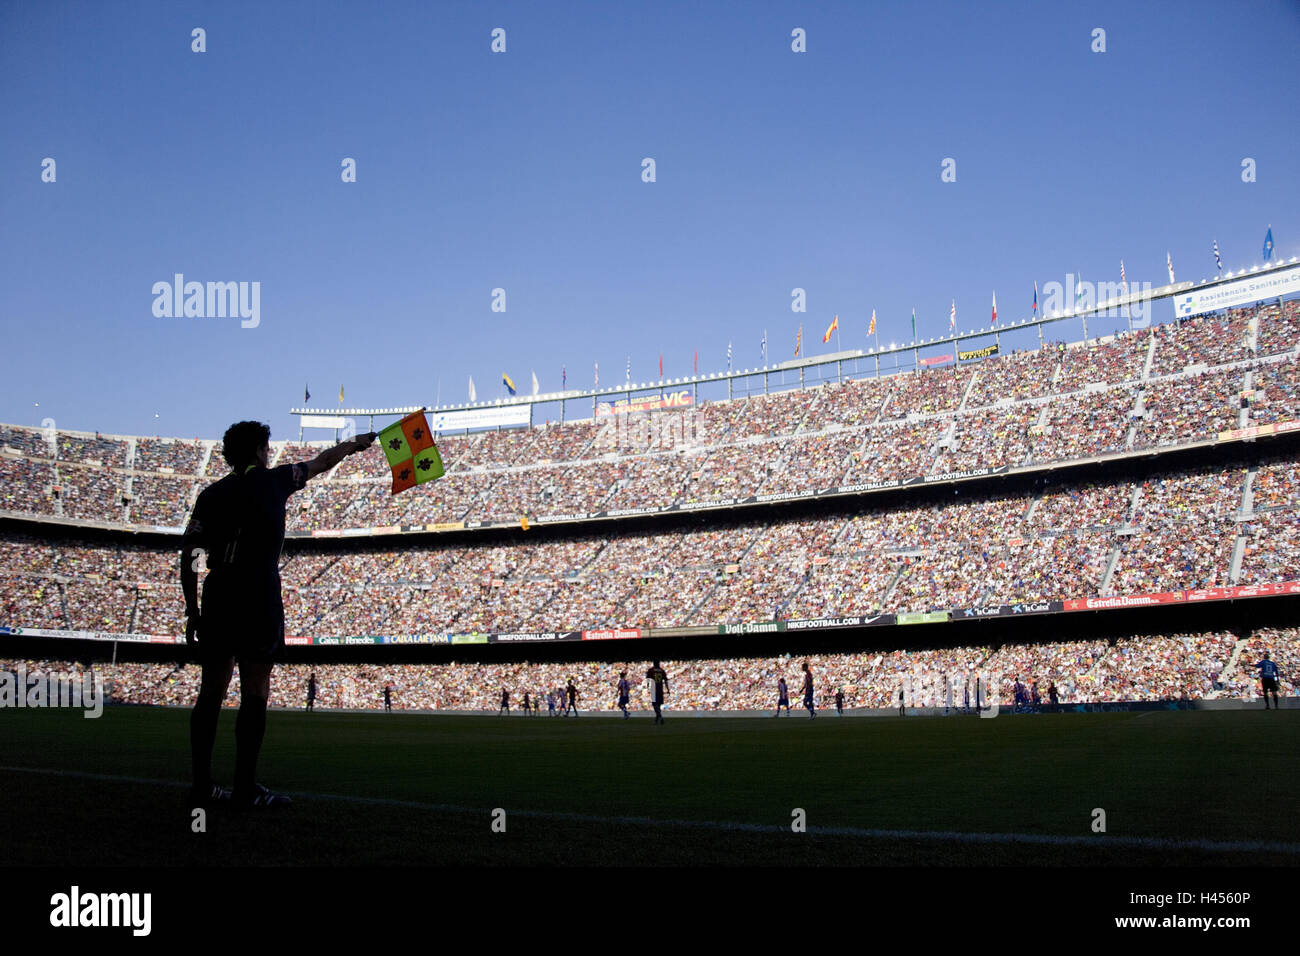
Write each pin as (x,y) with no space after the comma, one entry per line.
(1063,540)
(1195,666)
(779,443)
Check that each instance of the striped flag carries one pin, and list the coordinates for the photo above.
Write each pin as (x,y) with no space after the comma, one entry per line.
(697,361)
(661,364)
(628,376)
(597,383)
(1123,280)
(835,324)
(765,346)
(952,319)
(871,329)
(994,321)
(728,356)
(536,387)
(509,383)
(798,342)
(564,377)
(1035,297)
(1217,261)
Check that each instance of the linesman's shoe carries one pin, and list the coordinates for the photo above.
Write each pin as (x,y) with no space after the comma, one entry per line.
(259,798)
(214,795)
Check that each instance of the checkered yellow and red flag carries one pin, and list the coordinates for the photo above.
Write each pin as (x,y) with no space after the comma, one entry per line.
(412,455)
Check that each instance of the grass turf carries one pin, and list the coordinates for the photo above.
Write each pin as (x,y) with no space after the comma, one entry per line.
(568,785)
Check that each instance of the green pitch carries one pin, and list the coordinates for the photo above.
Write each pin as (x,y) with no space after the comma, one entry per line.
(410,789)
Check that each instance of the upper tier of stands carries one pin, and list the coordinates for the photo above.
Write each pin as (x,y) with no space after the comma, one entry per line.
(1176,384)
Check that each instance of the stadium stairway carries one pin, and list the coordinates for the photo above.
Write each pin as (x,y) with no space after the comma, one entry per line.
(1229,671)
(1151,357)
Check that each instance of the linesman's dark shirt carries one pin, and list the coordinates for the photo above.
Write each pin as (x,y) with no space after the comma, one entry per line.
(239,522)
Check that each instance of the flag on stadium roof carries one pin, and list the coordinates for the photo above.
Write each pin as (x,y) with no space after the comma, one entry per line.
(952,319)
(728,356)
(661,364)
(1078,289)
(871,329)
(597,374)
(954,313)
(306,394)
(1123,280)
(564,376)
(1036,295)
(994,320)
(628,378)
(1169,261)
(1217,261)
(697,361)
(798,342)
(340,394)
(473,392)
(765,346)
(508,383)
(831,329)
(536,388)
(1268,244)
(412,455)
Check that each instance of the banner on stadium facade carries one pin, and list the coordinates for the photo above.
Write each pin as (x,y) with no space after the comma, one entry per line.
(1244,591)
(682,398)
(936,359)
(295,641)
(468,638)
(1258,431)
(418,639)
(534,637)
(611,634)
(1122,601)
(969,473)
(923,617)
(89,635)
(978,353)
(337,422)
(1268,285)
(758,627)
(873,485)
(503,416)
(1009,610)
(851,620)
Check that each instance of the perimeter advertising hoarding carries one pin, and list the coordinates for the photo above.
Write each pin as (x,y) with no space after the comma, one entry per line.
(978,353)
(1268,285)
(611,634)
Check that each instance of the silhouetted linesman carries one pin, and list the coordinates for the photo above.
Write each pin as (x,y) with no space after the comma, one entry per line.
(238,523)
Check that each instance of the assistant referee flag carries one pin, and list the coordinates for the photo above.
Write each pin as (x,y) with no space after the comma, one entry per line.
(411,453)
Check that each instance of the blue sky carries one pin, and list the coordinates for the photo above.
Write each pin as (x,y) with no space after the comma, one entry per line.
(522,171)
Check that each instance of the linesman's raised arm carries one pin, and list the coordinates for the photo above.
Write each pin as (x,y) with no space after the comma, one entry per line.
(332,456)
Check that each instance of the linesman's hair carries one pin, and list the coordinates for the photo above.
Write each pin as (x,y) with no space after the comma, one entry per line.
(242,442)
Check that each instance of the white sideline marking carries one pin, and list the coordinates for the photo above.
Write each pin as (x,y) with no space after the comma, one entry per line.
(938,836)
